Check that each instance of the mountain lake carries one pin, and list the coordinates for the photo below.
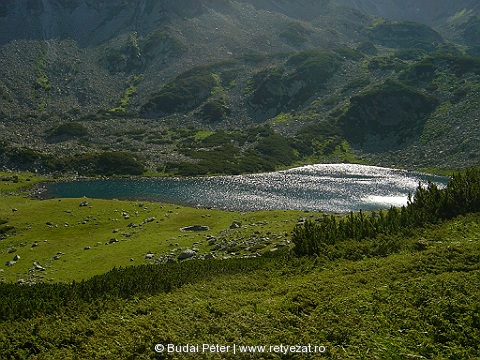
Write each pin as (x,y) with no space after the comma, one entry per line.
(336,188)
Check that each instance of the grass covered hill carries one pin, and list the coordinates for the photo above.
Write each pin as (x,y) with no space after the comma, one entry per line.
(394,285)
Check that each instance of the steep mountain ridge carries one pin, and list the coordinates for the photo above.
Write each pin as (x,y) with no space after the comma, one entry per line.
(135,74)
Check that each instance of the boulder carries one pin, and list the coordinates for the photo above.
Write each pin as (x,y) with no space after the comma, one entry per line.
(236,225)
(186,254)
(38,267)
(195,228)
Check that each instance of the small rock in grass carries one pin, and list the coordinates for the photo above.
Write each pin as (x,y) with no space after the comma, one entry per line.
(186,254)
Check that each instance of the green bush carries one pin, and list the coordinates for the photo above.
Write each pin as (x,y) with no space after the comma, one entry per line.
(279,87)
(405,35)
(388,110)
(214,111)
(186,92)
(106,163)
(428,206)
(295,34)
(72,129)
(31,301)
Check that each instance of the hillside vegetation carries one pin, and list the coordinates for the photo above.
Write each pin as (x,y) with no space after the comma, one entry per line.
(153,77)
(402,292)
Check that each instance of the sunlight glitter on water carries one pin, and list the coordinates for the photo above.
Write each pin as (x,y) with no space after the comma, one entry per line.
(323,187)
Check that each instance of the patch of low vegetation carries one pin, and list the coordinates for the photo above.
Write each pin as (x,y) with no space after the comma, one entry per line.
(186,92)
(392,114)
(162,43)
(125,101)
(106,163)
(428,206)
(287,86)
(214,111)
(69,129)
(295,34)
(404,34)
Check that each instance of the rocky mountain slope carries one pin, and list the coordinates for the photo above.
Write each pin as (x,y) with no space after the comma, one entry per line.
(212,86)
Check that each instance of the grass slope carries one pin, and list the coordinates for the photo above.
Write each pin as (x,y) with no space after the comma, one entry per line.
(413,304)
(45,229)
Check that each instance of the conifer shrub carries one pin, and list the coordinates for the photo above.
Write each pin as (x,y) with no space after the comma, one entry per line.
(429,205)
(70,128)
(186,92)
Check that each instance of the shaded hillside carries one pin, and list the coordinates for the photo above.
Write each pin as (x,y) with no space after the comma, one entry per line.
(431,12)
(156,78)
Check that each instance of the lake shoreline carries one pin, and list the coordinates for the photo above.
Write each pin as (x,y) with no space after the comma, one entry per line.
(301,188)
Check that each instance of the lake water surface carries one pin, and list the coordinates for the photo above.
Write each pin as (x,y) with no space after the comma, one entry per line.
(322,187)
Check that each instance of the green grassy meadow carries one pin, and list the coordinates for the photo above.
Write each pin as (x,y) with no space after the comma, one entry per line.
(45,228)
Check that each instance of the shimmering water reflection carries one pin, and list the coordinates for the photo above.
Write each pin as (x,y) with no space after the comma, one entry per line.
(322,187)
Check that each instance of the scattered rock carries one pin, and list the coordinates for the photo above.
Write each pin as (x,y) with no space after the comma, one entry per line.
(112,240)
(186,254)
(10,263)
(56,257)
(86,248)
(38,267)
(236,225)
(83,203)
(195,228)
(149,256)
(16,258)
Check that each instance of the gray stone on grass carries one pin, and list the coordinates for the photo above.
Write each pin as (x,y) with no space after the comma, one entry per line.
(195,228)
(186,254)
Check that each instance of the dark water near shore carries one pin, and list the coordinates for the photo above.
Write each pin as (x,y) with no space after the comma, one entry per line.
(323,187)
